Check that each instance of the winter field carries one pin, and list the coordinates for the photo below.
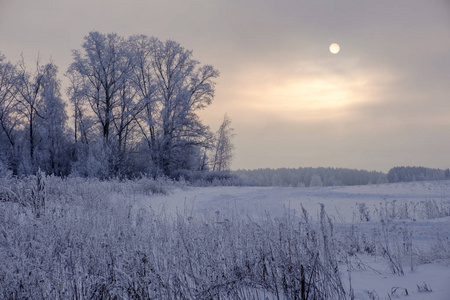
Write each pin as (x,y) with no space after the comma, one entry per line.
(146,239)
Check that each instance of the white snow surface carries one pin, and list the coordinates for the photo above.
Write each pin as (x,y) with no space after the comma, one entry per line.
(339,202)
(374,282)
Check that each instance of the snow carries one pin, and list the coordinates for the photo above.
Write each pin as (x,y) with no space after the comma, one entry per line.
(376,281)
(339,201)
(436,276)
(389,241)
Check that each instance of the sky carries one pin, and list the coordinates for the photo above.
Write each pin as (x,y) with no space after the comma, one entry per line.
(382,101)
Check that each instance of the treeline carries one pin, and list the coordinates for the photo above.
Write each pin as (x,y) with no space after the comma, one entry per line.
(133,102)
(307,177)
(408,174)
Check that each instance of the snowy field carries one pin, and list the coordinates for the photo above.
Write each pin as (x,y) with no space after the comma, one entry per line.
(143,239)
(341,202)
(375,280)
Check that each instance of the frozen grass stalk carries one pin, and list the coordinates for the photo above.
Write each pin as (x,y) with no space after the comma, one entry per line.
(38,195)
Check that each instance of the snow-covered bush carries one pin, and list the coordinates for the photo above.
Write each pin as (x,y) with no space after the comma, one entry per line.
(38,194)
(4,170)
(211,178)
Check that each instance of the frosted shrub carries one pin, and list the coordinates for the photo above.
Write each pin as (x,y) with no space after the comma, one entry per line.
(385,236)
(7,194)
(38,194)
(4,171)
(406,210)
(388,240)
(431,209)
(211,178)
(424,288)
(147,186)
(364,214)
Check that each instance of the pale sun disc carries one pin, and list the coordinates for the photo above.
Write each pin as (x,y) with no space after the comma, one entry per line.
(334,48)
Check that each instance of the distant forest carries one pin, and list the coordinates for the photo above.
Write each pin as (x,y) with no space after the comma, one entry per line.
(408,174)
(310,177)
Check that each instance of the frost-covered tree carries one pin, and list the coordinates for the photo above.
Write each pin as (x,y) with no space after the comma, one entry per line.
(99,77)
(29,105)
(8,109)
(84,123)
(99,73)
(32,118)
(182,87)
(53,139)
(223,147)
(144,83)
(140,91)
(39,103)
(316,180)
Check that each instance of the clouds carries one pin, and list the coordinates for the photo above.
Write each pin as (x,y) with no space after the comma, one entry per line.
(387,88)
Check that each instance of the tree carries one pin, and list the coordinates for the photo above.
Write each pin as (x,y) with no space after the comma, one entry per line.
(99,74)
(316,180)
(100,79)
(143,81)
(223,148)
(181,88)
(39,103)
(8,105)
(29,102)
(8,115)
(53,142)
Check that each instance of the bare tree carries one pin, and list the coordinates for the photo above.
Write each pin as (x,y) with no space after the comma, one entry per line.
(223,148)
(39,103)
(182,88)
(8,105)
(29,87)
(83,121)
(129,106)
(143,81)
(99,73)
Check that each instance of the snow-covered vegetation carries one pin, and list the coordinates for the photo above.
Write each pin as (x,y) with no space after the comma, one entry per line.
(159,239)
(308,177)
(301,177)
(407,174)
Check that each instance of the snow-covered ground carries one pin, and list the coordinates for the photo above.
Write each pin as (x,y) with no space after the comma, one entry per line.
(90,239)
(339,201)
(374,279)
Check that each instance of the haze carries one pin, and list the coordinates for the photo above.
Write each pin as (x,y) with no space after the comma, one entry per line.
(382,101)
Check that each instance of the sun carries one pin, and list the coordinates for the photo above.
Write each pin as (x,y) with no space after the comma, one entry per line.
(334,48)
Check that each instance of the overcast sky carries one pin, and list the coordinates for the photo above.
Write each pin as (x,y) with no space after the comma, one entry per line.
(382,101)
